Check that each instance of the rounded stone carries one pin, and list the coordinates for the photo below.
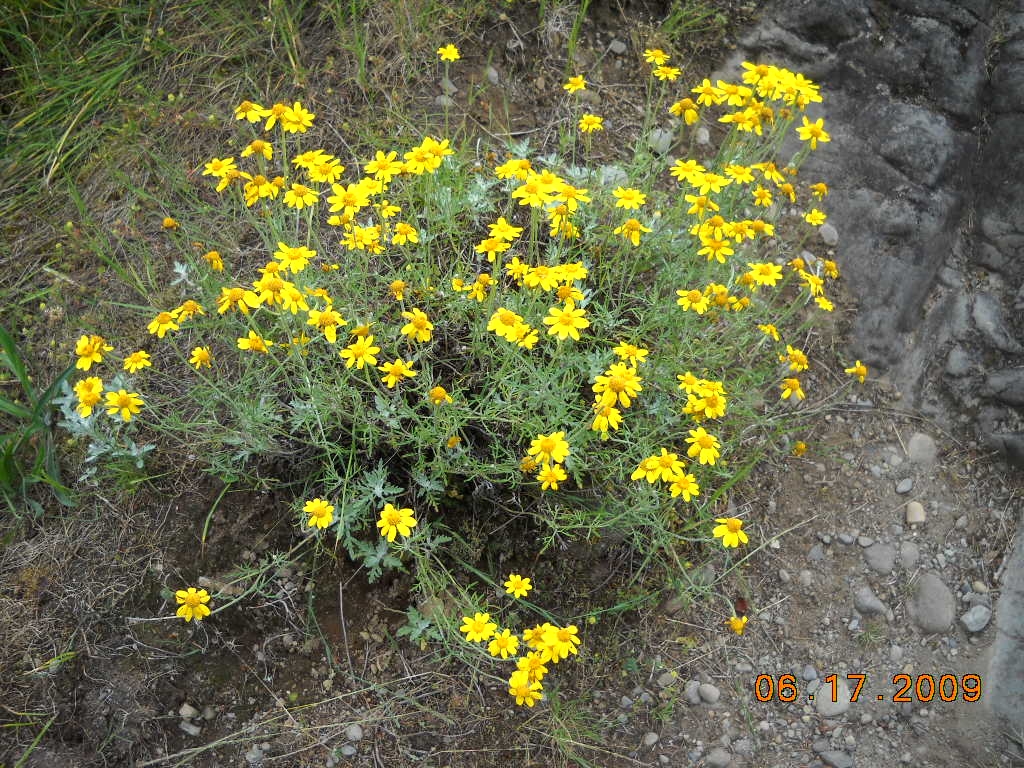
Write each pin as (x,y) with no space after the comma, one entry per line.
(933,606)
(976,619)
(829,234)
(823,699)
(718,758)
(709,693)
(354,732)
(880,557)
(650,739)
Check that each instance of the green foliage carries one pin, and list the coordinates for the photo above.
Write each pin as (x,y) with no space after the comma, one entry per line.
(28,453)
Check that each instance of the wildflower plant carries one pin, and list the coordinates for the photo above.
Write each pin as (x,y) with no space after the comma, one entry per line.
(611,356)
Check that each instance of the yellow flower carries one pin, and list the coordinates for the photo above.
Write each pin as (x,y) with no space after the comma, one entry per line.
(795,357)
(214,260)
(161,324)
(478,629)
(90,350)
(89,392)
(799,448)
(194,603)
(628,198)
(188,309)
(219,167)
(503,644)
(664,72)
(533,664)
(559,642)
(293,259)
(136,361)
(514,168)
(170,223)
(326,320)
(550,475)
(404,233)
(453,441)
(631,353)
(397,288)
(395,521)
(259,147)
(590,123)
(300,196)
(524,689)
(517,586)
(815,218)
(769,330)
(125,404)
(693,300)
(566,322)
(384,166)
(439,396)
(448,53)
(813,132)
(859,370)
(551,448)
(618,384)
(419,326)
(576,83)
(250,111)
(631,230)
(737,624)
(703,446)
(791,387)
(765,273)
(655,56)
(396,371)
(360,352)
(296,119)
(200,356)
(684,485)
(255,343)
(321,514)
(730,531)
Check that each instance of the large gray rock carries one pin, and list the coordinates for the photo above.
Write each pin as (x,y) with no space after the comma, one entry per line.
(933,607)
(1006,386)
(1004,693)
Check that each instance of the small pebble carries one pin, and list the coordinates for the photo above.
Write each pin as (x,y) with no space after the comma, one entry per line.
(915,514)
(718,758)
(617,47)
(865,541)
(977,618)
(665,679)
(809,673)
(906,485)
(348,750)
(650,739)
(187,711)
(190,728)
(354,732)
(845,538)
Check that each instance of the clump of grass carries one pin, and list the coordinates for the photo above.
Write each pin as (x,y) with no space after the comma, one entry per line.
(28,454)
(593,350)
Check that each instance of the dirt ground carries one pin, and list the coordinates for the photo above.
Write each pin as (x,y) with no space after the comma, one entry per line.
(313,672)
